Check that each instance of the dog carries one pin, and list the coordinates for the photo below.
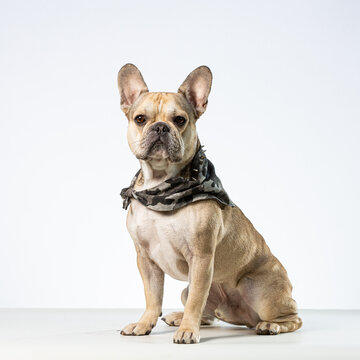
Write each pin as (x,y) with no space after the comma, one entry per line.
(183,223)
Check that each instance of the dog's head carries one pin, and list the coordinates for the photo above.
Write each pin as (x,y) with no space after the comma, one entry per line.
(161,124)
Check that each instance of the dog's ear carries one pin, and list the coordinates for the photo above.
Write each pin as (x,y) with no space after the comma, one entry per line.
(131,85)
(196,88)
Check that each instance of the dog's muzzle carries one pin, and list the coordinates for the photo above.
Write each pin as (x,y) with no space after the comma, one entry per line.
(158,136)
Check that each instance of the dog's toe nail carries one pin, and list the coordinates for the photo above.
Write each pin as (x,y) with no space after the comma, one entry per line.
(148,332)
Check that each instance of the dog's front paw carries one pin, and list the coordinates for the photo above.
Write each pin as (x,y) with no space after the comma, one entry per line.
(136,329)
(186,336)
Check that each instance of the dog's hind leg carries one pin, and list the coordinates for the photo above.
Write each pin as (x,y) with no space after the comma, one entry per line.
(269,295)
(278,315)
(174,318)
(282,324)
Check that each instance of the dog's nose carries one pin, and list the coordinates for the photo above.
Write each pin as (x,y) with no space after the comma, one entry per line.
(160,127)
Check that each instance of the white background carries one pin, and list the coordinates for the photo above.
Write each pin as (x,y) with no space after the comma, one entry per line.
(282,128)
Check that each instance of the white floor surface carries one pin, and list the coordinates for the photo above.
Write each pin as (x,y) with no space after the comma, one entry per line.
(94,334)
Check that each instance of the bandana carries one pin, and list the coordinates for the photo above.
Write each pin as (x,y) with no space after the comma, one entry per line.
(179,191)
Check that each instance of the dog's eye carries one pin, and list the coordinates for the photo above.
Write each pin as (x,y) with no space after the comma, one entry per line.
(179,120)
(140,119)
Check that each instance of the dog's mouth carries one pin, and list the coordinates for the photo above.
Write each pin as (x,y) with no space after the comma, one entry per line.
(157,145)
(158,149)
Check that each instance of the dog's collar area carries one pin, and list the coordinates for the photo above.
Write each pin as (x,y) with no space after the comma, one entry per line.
(179,191)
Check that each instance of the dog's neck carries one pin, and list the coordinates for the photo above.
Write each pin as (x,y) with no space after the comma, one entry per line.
(156,171)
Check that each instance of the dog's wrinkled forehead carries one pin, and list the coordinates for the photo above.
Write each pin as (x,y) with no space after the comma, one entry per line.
(161,106)
(192,95)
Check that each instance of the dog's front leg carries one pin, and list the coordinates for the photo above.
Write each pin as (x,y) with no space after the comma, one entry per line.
(200,272)
(153,279)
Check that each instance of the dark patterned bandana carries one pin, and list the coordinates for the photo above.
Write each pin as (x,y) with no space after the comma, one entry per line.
(179,191)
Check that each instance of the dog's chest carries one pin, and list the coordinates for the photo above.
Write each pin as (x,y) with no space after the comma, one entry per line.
(162,236)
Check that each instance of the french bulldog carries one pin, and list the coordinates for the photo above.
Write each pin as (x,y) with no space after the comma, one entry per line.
(183,224)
